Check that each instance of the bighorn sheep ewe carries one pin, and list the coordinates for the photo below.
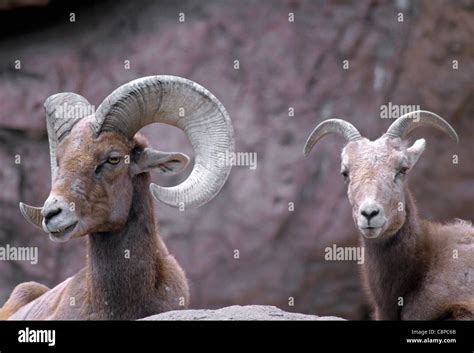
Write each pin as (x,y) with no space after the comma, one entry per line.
(414,269)
(101,167)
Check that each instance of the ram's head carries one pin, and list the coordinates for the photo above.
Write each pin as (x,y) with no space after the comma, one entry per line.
(375,170)
(97,157)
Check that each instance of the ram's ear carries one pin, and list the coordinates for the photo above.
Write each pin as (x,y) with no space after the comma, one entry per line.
(414,151)
(169,163)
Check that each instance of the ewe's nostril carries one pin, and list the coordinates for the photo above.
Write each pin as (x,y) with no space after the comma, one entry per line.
(51,213)
(370,213)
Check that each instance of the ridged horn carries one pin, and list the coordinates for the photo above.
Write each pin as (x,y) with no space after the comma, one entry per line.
(184,104)
(32,214)
(337,126)
(408,122)
(63,111)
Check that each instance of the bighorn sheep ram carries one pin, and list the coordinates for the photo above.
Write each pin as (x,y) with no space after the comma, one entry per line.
(100,165)
(414,269)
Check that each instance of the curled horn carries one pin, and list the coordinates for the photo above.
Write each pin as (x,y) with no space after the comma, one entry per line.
(401,127)
(338,126)
(184,104)
(63,111)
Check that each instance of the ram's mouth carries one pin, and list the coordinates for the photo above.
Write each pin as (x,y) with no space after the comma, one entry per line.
(371,232)
(62,234)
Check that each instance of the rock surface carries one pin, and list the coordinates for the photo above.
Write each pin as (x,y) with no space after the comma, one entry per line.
(249,246)
(237,312)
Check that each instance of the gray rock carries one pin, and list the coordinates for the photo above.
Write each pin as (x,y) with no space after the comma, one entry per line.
(237,312)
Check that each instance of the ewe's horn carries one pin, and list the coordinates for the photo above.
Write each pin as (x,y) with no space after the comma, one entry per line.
(63,111)
(338,126)
(408,122)
(184,104)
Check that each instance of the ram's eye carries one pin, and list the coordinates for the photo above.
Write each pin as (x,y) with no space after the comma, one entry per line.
(113,160)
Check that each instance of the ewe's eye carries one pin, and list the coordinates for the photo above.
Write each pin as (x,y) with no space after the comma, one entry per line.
(402,171)
(113,160)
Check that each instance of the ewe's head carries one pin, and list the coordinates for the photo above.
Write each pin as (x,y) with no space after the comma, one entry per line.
(375,170)
(97,156)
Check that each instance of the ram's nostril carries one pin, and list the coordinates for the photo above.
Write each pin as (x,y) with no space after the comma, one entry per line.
(51,213)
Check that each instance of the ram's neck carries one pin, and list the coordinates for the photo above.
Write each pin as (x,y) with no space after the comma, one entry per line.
(122,266)
(392,267)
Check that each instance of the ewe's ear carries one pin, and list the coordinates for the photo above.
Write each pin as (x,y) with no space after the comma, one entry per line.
(169,163)
(414,152)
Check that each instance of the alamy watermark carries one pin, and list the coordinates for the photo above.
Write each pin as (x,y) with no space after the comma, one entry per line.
(240,159)
(394,111)
(66,110)
(14,253)
(345,253)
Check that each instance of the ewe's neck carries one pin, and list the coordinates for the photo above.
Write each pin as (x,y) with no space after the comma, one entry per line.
(122,265)
(393,267)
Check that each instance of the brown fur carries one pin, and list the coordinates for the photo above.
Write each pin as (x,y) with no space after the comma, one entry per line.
(116,213)
(22,294)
